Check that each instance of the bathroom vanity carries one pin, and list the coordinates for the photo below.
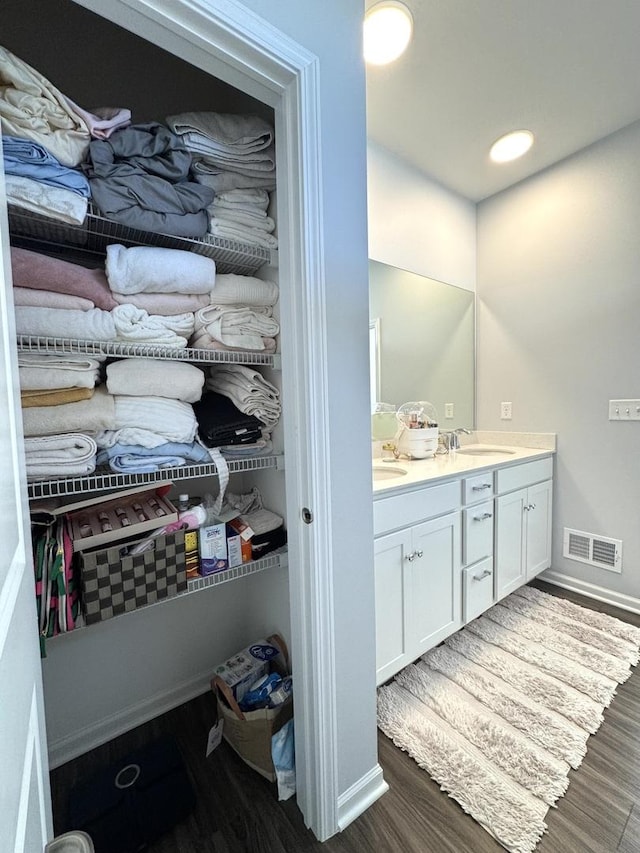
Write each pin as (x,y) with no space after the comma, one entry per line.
(453,535)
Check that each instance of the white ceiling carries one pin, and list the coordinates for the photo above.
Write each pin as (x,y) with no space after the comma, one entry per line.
(568,70)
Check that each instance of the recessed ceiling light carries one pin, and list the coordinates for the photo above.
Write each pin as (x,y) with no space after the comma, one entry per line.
(388,27)
(511,146)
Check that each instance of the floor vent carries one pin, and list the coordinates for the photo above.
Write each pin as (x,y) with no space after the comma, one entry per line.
(595,550)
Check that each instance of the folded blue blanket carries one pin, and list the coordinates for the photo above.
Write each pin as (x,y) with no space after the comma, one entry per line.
(28,159)
(134,459)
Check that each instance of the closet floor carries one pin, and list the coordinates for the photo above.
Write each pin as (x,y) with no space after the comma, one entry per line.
(238,812)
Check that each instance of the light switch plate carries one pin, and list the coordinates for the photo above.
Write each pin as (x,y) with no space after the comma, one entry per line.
(448,410)
(624,410)
(506,411)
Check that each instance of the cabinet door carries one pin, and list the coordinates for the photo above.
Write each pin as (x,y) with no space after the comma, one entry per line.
(390,561)
(510,547)
(435,582)
(538,528)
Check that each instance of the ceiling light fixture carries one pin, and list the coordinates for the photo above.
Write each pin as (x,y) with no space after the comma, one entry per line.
(388,27)
(511,146)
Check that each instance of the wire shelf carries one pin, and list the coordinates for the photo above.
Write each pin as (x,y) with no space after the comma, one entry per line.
(106,480)
(54,346)
(272,561)
(96,233)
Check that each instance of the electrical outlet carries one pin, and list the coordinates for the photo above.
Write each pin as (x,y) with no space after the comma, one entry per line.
(506,411)
(448,410)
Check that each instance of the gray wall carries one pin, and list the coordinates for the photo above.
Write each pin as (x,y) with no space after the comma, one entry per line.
(559,335)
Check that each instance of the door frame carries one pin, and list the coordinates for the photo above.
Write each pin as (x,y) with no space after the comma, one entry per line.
(234,44)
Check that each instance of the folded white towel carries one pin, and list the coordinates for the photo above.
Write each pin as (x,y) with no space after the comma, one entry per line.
(247,388)
(141,377)
(39,371)
(254,198)
(53,202)
(86,416)
(124,323)
(151,269)
(246,218)
(232,289)
(237,326)
(66,455)
(171,418)
(131,436)
(227,230)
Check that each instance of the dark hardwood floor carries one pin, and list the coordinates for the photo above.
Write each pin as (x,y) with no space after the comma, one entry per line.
(238,811)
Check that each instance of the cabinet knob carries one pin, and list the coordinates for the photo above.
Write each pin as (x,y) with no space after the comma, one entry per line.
(411,557)
(419,553)
(483,517)
(529,507)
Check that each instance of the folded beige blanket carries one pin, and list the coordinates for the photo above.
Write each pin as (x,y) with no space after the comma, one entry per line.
(86,416)
(33,108)
(50,299)
(54,396)
(143,377)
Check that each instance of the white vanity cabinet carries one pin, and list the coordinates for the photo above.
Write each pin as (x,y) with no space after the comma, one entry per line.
(417,574)
(523,524)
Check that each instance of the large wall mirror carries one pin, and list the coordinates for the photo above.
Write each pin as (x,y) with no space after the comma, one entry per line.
(425,335)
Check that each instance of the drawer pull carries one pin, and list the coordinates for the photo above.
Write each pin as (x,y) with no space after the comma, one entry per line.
(481,487)
(482,575)
(483,517)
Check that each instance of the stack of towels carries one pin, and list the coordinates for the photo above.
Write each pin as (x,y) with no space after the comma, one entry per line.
(61,409)
(235,156)
(46,138)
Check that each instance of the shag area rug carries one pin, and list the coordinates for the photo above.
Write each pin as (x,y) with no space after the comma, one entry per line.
(500,712)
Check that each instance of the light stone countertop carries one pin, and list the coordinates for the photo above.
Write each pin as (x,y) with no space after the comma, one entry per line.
(524,447)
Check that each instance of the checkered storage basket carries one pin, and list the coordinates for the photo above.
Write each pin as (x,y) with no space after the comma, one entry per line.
(112,584)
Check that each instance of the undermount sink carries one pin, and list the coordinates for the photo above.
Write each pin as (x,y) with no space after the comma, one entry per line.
(387,473)
(478,450)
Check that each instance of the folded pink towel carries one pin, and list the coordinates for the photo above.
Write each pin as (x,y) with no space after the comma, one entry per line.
(164,304)
(50,299)
(40,272)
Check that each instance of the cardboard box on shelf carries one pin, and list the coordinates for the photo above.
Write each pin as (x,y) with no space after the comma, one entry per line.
(213,549)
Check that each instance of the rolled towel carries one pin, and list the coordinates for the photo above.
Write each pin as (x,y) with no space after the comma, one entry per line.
(173,419)
(164,304)
(237,326)
(135,325)
(151,269)
(134,459)
(50,299)
(247,388)
(65,455)
(141,377)
(54,396)
(32,269)
(86,416)
(232,289)
(38,371)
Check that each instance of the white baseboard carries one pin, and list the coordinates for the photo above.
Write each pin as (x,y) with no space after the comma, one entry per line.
(600,593)
(71,746)
(357,799)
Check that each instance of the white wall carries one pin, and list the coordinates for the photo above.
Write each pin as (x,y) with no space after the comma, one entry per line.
(559,314)
(417,224)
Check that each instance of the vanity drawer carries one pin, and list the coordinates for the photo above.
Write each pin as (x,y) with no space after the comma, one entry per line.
(403,510)
(510,479)
(478,532)
(477,589)
(477,488)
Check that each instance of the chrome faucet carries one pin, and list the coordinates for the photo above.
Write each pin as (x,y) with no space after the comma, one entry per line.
(453,437)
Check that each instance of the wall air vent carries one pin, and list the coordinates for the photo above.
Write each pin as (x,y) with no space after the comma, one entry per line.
(599,551)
